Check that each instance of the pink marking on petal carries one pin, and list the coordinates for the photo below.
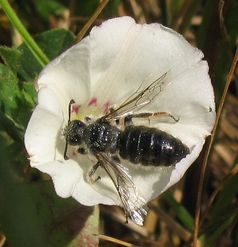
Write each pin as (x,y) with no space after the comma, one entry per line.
(75,109)
(93,101)
(106,107)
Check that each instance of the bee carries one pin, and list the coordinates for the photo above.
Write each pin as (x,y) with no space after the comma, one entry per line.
(113,138)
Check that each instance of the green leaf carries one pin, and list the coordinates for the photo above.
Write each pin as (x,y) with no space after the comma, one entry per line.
(231,21)
(224,212)
(112,8)
(29,94)
(173,10)
(9,126)
(218,227)
(13,58)
(55,41)
(89,234)
(226,196)
(29,41)
(180,211)
(9,90)
(165,13)
(47,8)
(52,42)
(15,102)
(83,9)
(31,214)
(24,64)
(218,40)
(17,98)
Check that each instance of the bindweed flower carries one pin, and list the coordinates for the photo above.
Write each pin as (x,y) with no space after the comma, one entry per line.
(117,60)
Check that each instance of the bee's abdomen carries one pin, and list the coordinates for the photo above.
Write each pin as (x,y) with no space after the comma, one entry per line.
(150,146)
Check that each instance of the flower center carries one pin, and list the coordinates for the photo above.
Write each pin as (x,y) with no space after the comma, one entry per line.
(92,109)
(86,113)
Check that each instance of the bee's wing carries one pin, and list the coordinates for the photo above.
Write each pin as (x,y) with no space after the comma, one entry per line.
(133,204)
(139,99)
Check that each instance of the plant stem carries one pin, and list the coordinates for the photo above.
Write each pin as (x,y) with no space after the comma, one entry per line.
(97,12)
(30,42)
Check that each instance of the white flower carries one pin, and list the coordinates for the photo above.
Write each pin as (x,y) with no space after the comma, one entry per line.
(103,70)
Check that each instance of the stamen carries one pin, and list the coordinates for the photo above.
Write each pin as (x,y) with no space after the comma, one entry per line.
(93,101)
(106,107)
(75,109)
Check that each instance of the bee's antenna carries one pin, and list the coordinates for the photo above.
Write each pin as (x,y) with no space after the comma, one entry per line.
(65,151)
(69,110)
(66,144)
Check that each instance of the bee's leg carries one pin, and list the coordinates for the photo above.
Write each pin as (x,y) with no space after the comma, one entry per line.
(91,175)
(122,121)
(164,114)
(128,120)
(149,116)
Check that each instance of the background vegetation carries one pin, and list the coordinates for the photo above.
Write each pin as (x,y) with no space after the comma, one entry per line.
(202,210)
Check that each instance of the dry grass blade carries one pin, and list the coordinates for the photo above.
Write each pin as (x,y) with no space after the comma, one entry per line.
(172,224)
(116,241)
(151,222)
(2,239)
(219,111)
(92,19)
(138,12)
(118,215)
(221,18)
(180,16)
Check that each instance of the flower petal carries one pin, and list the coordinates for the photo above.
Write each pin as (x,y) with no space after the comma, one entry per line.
(47,100)
(125,54)
(69,180)
(68,75)
(190,98)
(41,136)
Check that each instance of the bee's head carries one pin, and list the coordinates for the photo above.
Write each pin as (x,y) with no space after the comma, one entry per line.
(74,132)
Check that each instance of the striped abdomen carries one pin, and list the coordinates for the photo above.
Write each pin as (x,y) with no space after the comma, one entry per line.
(150,146)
